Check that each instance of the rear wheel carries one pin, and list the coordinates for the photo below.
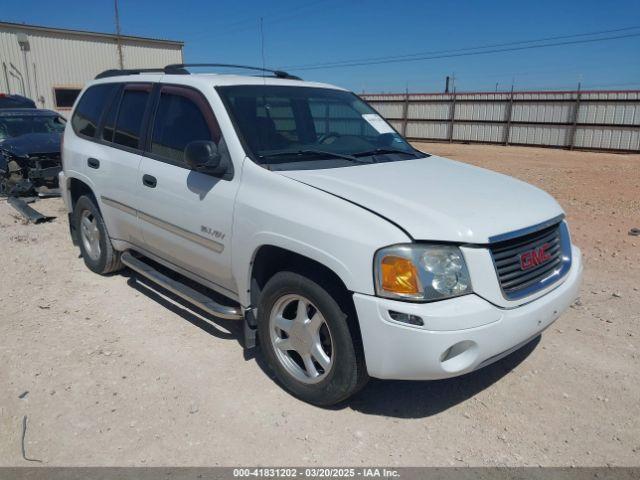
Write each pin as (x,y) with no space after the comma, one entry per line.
(95,245)
(305,338)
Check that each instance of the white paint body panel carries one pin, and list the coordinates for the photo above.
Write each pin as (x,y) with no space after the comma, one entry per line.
(338,217)
(188,200)
(396,351)
(116,179)
(272,209)
(438,199)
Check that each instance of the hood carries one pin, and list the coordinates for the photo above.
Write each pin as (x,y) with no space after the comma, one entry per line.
(438,199)
(32,143)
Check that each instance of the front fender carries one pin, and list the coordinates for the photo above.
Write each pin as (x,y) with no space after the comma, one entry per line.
(272,209)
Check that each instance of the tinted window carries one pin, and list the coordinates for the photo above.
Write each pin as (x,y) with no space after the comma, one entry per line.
(64,97)
(277,114)
(130,116)
(335,117)
(87,114)
(110,119)
(283,125)
(178,121)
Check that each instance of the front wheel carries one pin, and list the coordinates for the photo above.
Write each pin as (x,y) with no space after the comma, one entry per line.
(306,340)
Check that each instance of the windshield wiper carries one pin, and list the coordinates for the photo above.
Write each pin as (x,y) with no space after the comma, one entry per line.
(381,151)
(325,153)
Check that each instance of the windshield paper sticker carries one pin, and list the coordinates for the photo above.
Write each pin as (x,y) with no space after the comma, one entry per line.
(377,123)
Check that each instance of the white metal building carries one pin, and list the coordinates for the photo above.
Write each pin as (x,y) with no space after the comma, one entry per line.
(51,65)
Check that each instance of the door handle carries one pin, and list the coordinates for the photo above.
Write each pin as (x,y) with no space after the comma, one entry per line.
(93,163)
(149,181)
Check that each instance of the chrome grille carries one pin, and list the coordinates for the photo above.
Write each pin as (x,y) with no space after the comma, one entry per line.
(517,281)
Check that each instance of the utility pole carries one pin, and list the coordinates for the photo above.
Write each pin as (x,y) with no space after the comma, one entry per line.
(452,114)
(262,45)
(118,40)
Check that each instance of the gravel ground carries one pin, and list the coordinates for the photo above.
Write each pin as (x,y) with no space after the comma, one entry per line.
(110,371)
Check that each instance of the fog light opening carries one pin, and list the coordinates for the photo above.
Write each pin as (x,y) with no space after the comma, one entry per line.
(459,357)
(406,318)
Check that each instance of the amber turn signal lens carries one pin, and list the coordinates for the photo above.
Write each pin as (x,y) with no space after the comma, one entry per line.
(399,275)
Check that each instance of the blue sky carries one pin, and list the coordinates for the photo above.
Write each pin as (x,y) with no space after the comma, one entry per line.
(306,32)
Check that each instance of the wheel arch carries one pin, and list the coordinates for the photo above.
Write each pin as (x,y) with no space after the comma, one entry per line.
(77,188)
(268,260)
(272,253)
(74,189)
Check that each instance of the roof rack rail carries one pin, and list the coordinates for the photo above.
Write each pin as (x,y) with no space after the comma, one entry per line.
(131,71)
(179,68)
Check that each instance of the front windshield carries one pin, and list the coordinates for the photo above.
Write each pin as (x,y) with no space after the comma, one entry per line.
(285,127)
(17,125)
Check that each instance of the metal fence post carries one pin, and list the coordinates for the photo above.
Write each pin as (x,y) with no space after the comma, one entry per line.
(327,126)
(574,119)
(452,115)
(405,113)
(509,113)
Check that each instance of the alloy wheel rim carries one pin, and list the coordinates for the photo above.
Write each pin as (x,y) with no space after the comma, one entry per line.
(301,338)
(90,234)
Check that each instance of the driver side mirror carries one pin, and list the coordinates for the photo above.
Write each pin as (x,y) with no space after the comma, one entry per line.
(203,156)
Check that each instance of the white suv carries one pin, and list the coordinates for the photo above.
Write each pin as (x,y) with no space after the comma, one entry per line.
(295,208)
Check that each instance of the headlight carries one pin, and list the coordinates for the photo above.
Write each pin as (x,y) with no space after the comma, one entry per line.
(421,272)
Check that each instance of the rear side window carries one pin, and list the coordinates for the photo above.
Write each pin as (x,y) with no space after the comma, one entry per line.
(87,114)
(181,118)
(110,120)
(130,115)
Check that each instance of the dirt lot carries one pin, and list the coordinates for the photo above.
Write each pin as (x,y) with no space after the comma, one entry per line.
(110,372)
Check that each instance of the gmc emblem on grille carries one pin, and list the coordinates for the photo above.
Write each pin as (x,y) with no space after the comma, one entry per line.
(534,257)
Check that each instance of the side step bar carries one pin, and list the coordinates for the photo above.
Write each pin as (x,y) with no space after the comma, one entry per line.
(181,290)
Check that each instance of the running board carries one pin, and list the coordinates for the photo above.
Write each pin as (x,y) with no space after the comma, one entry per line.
(181,290)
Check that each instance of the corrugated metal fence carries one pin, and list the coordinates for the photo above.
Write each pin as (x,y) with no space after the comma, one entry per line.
(593,120)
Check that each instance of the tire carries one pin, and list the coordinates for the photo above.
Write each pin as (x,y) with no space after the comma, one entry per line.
(344,374)
(101,260)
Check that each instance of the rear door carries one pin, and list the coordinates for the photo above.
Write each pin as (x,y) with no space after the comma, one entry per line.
(186,216)
(121,137)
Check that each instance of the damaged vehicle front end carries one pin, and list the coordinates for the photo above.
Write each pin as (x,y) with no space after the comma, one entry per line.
(29,151)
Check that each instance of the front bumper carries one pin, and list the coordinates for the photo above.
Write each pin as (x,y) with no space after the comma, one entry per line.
(46,173)
(460,334)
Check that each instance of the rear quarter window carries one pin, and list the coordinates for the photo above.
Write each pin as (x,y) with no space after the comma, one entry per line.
(87,114)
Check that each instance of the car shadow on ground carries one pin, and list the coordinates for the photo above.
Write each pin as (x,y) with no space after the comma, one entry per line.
(389,398)
(409,399)
(217,327)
